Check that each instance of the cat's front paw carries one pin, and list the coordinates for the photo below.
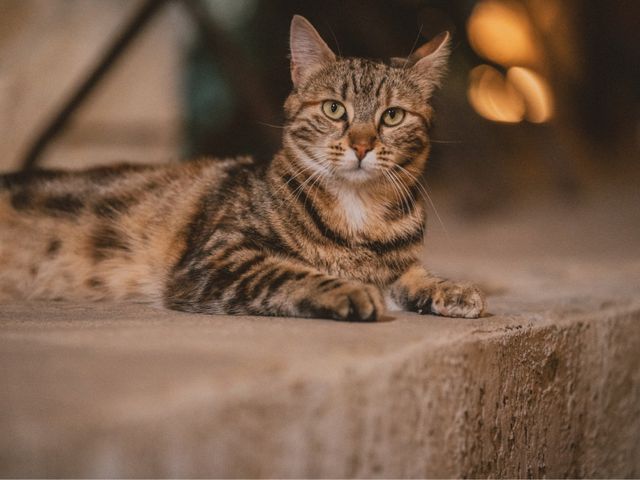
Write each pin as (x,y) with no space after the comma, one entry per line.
(344,300)
(452,299)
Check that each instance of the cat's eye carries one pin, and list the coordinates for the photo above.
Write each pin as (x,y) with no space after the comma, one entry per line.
(392,116)
(334,110)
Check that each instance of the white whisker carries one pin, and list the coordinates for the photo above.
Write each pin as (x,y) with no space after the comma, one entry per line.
(405,197)
(415,44)
(272,126)
(427,197)
(296,174)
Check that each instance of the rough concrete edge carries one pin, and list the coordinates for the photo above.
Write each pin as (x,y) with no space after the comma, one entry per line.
(559,397)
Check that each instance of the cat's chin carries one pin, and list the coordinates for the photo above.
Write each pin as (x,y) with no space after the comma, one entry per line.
(357,176)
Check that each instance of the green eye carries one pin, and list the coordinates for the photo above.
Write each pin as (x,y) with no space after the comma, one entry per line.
(392,116)
(333,109)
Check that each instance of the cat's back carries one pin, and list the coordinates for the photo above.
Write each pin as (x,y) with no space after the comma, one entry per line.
(107,232)
(41,191)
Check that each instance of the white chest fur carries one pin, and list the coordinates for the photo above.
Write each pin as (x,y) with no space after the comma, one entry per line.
(353,208)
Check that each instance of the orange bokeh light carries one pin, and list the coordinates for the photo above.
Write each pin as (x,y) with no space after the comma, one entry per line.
(493,97)
(522,94)
(501,31)
(535,91)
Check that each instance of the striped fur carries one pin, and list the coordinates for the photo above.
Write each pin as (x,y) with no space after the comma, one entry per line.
(329,229)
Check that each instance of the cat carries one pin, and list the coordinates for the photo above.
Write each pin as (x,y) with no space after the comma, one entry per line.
(331,228)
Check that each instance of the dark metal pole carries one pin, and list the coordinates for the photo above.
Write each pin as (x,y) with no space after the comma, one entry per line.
(129,32)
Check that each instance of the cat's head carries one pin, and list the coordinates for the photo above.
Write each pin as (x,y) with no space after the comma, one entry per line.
(352,119)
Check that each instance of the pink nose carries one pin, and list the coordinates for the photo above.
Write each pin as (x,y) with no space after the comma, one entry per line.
(361,149)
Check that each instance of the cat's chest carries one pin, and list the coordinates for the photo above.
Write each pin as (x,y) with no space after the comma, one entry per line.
(355,213)
(353,210)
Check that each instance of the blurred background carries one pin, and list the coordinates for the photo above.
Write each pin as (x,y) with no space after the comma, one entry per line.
(542,98)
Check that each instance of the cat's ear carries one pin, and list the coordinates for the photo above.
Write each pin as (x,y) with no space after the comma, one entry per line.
(430,60)
(308,50)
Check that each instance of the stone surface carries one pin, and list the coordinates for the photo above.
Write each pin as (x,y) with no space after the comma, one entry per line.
(547,385)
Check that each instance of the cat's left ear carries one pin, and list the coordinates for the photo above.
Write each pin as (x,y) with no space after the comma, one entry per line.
(308,50)
(430,60)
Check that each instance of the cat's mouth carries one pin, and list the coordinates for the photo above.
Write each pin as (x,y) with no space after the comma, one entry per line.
(359,171)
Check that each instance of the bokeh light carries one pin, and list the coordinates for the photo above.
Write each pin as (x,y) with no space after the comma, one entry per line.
(501,31)
(535,92)
(493,97)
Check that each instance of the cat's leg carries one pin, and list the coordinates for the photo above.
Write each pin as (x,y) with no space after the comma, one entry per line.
(419,291)
(253,283)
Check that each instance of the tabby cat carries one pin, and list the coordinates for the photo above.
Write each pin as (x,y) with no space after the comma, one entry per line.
(332,228)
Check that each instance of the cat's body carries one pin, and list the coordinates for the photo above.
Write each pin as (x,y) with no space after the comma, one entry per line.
(330,228)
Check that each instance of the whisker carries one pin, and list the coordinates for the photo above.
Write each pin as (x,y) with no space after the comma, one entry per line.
(297,171)
(313,179)
(295,175)
(410,201)
(404,192)
(435,210)
(415,44)
(335,39)
(397,191)
(315,190)
(303,169)
(272,126)
(427,197)
(386,176)
(298,191)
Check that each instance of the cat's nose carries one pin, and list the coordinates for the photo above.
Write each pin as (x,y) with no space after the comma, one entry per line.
(362,149)
(362,139)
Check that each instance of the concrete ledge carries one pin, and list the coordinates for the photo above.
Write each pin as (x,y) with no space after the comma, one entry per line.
(137,392)
(549,385)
